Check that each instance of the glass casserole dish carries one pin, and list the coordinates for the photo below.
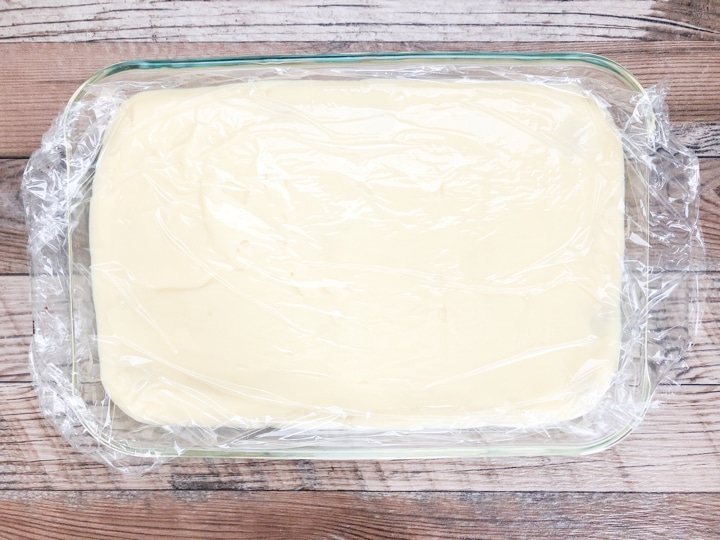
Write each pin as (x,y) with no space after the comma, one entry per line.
(408,255)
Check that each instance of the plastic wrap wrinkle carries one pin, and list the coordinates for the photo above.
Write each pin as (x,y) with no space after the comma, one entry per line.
(335,261)
(382,238)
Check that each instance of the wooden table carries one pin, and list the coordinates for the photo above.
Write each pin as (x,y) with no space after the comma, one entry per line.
(661,482)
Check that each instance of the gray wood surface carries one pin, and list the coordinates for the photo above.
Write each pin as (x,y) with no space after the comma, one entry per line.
(663,481)
(358,20)
(403,516)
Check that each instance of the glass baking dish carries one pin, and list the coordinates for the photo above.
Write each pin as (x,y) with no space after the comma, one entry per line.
(65,348)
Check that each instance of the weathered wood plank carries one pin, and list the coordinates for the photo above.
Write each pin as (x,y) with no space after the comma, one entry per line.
(702,362)
(710,212)
(360,20)
(132,514)
(39,78)
(13,239)
(675,449)
(678,19)
(15,328)
(702,139)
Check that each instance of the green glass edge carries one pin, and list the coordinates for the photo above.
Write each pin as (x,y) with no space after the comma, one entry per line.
(589,58)
(377,453)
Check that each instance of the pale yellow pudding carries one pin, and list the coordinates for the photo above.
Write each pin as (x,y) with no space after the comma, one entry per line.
(392,254)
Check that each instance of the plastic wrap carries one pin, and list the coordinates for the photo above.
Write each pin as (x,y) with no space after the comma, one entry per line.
(361,257)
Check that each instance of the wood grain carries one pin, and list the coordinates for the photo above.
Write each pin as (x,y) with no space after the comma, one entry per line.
(675,449)
(13,238)
(39,78)
(350,516)
(702,139)
(710,213)
(358,20)
(15,328)
(679,19)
